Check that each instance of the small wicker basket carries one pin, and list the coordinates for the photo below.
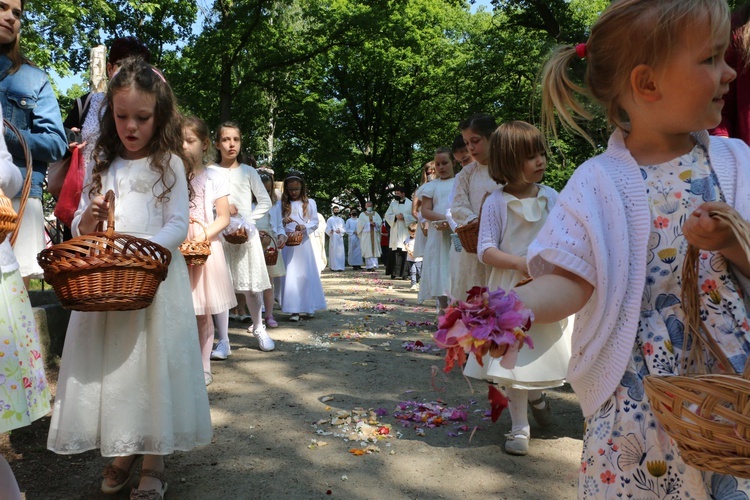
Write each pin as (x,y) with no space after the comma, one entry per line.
(8,217)
(196,252)
(708,415)
(238,237)
(468,234)
(294,238)
(271,254)
(105,271)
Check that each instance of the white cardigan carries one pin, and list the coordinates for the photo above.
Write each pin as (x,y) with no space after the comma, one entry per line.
(599,231)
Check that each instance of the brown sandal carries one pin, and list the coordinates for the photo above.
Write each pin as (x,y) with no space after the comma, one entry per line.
(120,475)
(151,494)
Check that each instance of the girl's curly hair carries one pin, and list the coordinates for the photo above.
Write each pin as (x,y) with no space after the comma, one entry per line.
(136,74)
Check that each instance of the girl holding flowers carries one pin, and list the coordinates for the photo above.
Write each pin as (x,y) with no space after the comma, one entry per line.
(613,247)
(512,216)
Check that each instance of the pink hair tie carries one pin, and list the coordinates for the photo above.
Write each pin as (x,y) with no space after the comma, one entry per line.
(158,73)
(581,50)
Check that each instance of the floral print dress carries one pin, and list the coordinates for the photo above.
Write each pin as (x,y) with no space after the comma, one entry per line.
(626,453)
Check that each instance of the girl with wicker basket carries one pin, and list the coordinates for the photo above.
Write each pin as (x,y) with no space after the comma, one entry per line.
(23,385)
(512,216)
(131,382)
(470,187)
(246,262)
(273,237)
(301,290)
(213,293)
(612,248)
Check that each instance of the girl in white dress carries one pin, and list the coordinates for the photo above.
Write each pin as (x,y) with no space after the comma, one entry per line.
(246,262)
(511,218)
(428,174)
(131,382)
(301,290)
(435,263)
(472,184)
(213,294)
(270,225)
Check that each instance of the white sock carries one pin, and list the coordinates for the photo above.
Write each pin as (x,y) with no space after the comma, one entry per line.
(536,395)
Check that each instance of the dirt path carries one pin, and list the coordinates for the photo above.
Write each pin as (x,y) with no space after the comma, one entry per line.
(317,418)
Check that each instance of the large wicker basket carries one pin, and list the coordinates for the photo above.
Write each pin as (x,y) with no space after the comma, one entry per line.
(196,252)
(708,415)
(9,219)
(105,271)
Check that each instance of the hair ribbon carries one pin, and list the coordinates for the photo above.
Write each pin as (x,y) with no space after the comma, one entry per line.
(581,50)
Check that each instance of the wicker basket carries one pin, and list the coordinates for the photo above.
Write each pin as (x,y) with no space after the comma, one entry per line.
(294,238)
(9,219)
(271,254)
(238,237)
(105,271)
(468,234)
(708,415)
(196,252)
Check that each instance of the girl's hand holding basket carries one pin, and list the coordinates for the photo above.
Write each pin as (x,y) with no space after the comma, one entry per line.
(488,322)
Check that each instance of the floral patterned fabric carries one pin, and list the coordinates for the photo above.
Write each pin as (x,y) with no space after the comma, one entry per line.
(24,393)
(626,452)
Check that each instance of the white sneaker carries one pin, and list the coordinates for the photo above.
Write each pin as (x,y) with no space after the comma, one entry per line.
(517,443)
(264,341)
(414,287)
(222,351)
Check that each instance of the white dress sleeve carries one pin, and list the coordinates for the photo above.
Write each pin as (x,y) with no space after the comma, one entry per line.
(259,190)
(490,225)
(176,210)
(277,225)
(312,207)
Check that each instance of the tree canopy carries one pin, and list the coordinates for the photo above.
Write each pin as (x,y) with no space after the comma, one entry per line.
(356,94)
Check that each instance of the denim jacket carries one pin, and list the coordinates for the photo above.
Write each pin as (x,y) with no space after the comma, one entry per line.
(29,103)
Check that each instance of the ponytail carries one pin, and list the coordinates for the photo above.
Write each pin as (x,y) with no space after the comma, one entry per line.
(559,95)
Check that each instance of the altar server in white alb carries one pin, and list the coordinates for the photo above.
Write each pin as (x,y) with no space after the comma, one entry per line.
(335,230)
(398,217)
(355,252)
(368,230)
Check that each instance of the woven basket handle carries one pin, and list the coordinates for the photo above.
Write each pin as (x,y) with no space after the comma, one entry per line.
(26,182)
(110,199)
(202,225)
(695,328)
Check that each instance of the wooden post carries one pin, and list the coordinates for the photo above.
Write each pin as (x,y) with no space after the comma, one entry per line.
(98,69)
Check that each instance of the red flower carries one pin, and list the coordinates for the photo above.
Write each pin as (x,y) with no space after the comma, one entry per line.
(678,195)
(584,467)
(608,477)
(709,286)
(648,349)
(601,451)
(498,402)
(661,222)
(615,447)
(26,382)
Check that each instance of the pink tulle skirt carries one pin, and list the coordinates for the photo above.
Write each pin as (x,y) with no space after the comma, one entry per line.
(213,291)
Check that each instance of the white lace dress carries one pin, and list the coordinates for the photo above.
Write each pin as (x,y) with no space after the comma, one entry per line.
(472,184)
(246,262)
(132,381)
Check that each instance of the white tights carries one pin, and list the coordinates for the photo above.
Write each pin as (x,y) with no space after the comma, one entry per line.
(254,301)
(518,404)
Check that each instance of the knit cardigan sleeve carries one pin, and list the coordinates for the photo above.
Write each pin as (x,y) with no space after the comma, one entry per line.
(598,230)
(461,210)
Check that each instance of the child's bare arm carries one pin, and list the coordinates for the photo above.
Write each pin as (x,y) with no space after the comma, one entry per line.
(708,233)
(495,257)
(555,296)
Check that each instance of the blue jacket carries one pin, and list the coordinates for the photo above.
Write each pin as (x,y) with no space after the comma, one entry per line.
(29,103)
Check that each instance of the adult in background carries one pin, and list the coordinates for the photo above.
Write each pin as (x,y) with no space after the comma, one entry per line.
(29,103)
(355,252)
(368,224)
(398,218)
(385,239)
(318,240)
(335,231)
